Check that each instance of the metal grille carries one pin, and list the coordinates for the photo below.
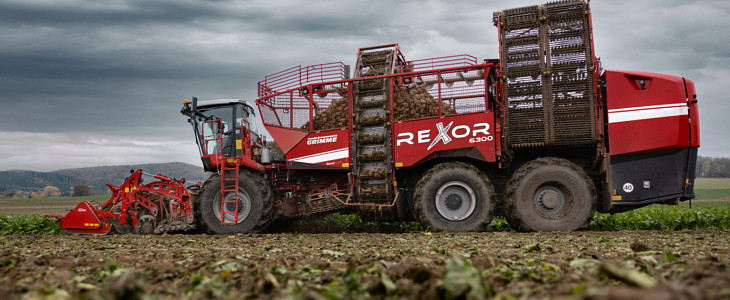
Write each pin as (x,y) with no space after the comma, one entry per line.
(283,103)
(291,110)
(463,90)
(547,66)
(288,110)
(459,90)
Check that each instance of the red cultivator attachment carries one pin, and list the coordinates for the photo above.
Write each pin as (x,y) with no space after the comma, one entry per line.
(84,218)
(157,207)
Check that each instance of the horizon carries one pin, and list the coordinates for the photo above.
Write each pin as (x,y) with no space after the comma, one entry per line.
(100,166)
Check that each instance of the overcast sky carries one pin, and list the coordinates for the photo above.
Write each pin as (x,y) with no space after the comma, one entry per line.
(87,83)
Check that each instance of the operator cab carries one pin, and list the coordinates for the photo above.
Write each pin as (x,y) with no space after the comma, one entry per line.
(223,128)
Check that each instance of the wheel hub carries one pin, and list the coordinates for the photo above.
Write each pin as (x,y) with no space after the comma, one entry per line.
(455,201)
(244,207)
(549,200)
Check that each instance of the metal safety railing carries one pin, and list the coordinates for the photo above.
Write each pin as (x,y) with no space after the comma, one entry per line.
(300,76)
(441,62)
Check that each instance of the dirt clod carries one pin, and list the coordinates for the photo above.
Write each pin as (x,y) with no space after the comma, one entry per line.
(638,246)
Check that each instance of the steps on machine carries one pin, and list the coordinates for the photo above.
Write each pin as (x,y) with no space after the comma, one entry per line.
(371,150)
(229,175)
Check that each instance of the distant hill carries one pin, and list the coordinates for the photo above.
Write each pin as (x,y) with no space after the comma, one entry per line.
(95,177)
(31,181)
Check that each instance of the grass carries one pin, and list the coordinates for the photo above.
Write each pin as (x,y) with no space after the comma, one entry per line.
(712,194)
(712,183)
(712,188)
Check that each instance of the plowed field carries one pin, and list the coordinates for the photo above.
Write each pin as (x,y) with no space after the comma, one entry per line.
(581,265)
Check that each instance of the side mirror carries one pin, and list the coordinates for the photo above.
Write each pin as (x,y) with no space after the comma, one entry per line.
(185,110)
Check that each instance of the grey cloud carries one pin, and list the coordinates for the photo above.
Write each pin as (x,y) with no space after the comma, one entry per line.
(120,69)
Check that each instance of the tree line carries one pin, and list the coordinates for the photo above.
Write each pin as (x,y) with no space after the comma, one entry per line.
(48,191)
(713,167)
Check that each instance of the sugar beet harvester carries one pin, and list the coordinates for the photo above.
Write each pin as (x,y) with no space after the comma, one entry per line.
(542,136)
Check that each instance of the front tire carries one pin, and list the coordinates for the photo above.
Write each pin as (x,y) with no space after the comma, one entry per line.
(550,194)
(255,205)
(454,197)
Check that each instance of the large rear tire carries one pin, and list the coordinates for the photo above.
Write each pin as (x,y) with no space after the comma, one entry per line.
(255,205)
(454,197)
(550,194)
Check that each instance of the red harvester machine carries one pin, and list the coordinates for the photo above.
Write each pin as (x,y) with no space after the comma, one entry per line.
(543,136)
(157,207)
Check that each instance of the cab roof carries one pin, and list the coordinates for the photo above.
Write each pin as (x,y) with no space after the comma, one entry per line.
(216,102)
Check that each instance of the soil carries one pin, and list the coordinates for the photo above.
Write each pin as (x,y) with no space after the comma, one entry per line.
(581,265)
(20,207)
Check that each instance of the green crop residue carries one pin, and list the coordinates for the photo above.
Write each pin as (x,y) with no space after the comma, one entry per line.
(704,216)
(29,225)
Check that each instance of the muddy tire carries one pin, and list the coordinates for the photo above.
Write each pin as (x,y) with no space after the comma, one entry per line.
(550,194)
(454,197)
(195,194)
(255,206)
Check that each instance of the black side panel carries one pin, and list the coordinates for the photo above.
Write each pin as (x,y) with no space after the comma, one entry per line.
(644,178)
(207,166)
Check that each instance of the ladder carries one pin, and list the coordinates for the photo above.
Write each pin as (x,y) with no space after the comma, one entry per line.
(371,145)
(229,174)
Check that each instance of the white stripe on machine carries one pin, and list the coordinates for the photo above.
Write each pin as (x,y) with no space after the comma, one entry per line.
(324,156)
(647,112)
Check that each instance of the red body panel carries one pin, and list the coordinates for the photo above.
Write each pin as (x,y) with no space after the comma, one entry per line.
(218,160)
(330,148)
(286,138)
(456,81)
(652,118)
(415,140)
(84,218)
(694,114)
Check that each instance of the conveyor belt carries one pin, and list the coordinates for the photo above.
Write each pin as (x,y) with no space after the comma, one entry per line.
(371,149)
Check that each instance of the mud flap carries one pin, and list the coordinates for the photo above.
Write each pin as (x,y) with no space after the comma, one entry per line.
(84,219)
